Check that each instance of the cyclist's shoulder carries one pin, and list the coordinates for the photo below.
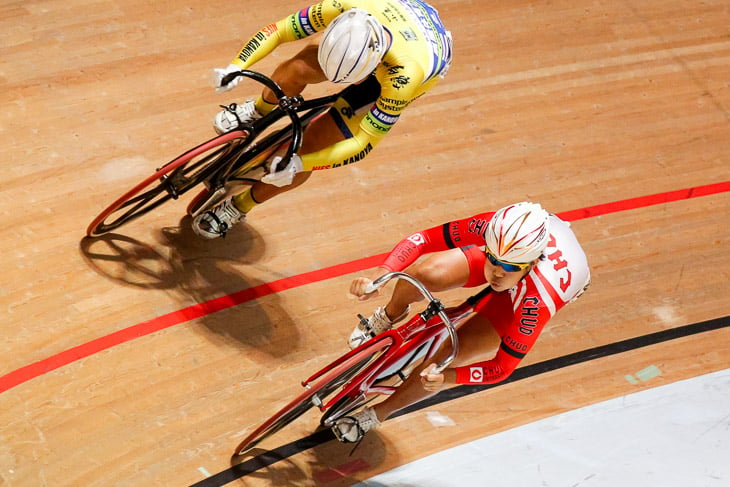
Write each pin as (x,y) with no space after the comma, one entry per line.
(564,266)
(400,76)
(564,242)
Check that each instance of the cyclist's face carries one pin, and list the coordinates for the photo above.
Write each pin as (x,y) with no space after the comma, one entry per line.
(501,280)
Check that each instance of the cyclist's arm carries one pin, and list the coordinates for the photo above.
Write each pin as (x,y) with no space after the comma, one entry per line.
(529,320)
(296,26)
(343,153)
(457,233)
(399,86)
(262,43)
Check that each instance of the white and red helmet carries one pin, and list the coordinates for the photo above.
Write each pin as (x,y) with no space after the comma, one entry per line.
(518,233)
(352,46)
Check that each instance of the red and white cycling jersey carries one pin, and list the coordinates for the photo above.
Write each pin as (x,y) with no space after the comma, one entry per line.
(519,314)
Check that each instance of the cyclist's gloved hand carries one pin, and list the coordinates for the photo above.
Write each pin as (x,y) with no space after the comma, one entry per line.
(283,176)
(216,78)
(432,381)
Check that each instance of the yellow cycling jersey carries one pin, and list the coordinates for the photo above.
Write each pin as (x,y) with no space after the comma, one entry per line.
(419,55)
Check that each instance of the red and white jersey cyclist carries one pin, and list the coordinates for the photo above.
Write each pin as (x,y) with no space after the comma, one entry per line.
(520,313)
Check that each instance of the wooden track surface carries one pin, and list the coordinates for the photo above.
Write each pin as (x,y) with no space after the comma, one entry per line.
(568,103)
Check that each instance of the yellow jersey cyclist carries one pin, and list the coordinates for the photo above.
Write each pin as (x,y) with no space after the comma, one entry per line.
(390,52)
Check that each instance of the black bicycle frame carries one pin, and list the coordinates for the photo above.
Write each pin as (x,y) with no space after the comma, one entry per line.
(288,106)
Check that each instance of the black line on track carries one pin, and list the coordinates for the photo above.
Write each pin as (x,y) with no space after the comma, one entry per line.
(323,436)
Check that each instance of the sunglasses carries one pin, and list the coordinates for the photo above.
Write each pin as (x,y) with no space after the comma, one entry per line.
(507,266)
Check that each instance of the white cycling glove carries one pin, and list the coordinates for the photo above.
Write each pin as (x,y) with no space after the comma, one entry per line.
(216,78)
(284,176)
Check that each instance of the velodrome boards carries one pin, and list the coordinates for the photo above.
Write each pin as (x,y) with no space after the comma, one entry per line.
(142,358)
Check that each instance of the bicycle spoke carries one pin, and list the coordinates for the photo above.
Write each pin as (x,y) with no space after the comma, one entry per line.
(138,209)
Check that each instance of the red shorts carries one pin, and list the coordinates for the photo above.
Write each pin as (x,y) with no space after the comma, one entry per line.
(476,257)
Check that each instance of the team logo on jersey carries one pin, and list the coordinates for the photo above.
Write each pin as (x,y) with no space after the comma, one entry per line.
(356,157)
(476,374)
(560,265)
(530,315)
(400,81)
(478,226)
(305,23)
(269,30)
(347,112)
(250,48)
(383,117)
(393,70)
(417,239)
(296,26)
(409,35)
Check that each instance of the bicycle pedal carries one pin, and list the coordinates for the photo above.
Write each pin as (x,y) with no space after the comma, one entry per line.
(363,321)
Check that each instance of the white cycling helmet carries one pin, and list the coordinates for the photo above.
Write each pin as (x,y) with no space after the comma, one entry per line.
(518,233)
(352,46)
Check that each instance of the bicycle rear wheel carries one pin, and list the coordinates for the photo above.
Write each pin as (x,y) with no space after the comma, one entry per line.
(313,396)
(169,182)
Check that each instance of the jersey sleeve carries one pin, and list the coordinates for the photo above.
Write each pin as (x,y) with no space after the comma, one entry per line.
(298,25)
(400,81)
(457,233)
(342,153)
(263,42)
(519,335)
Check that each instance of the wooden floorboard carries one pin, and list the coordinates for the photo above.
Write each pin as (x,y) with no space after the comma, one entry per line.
(569,103)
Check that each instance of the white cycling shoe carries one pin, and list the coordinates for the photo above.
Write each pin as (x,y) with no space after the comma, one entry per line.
(226,120)
(377,323)
(351,429)
(218,220)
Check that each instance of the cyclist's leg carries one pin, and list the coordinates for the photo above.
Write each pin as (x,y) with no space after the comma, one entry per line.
(337,124)
(462,267)
(478,341)
(292,76)
(295,73)
(438,272)
(321,132)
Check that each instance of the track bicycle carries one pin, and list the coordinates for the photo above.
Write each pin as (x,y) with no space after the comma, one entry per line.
(235,158)
(377,367)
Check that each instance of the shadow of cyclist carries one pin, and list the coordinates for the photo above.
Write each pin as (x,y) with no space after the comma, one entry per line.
(345,464)
(315,460)
(199,272)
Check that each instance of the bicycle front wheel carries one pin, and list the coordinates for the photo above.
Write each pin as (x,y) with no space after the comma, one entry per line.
(169,182)
(314,395)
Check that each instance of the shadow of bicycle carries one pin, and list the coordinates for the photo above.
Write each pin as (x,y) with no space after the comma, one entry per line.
(177,259)
(197,272)
(315,460)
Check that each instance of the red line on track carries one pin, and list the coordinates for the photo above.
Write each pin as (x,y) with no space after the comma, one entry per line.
(36,369)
